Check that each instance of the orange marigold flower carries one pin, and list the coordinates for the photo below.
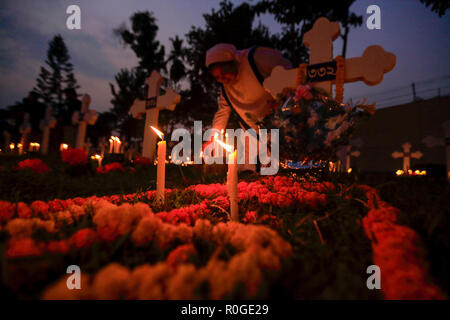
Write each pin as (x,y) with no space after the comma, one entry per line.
(23,248)
(111,282)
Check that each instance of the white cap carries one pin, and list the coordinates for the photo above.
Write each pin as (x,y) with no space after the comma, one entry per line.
(220,53)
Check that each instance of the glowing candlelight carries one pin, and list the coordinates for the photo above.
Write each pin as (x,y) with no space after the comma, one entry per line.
(12,146)
(161,169)
(20,148)
(63,146)
(232,180)
(99,159)
(117,144)
(111,143)
(34,147)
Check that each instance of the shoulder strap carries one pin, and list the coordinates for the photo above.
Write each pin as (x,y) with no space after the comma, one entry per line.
(251,60)
(241,121)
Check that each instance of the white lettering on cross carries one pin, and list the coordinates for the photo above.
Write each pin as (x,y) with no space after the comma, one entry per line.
(370,67)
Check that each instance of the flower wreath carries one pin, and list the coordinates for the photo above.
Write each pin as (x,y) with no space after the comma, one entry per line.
(312,125)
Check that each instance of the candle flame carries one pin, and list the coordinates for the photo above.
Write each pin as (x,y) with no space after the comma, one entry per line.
(399,172)
(349,170)
(225,146)
(159,133)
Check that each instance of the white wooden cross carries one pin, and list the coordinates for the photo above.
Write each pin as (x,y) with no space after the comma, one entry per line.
(150,107)
(407,155)
(83,119)
(46,124)
(431,142)
(24,129)
(102,145)
(370,67)
(347,152)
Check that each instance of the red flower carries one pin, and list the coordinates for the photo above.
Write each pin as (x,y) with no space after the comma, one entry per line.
(7,210)
(143,161)
(35,165)
(40,208)
(115,166)
(180,254)
(74,156)
(23,210)
(23,248)
(250,217)
(61,246)
(303,92)
(83,238)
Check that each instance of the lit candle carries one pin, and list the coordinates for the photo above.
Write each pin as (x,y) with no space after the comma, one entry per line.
(232,181)
(161,169)
(117,145)
(111,142)
(20,148)
(63,146)
(99,159)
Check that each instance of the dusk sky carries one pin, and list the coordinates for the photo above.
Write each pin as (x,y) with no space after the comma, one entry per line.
(416,35)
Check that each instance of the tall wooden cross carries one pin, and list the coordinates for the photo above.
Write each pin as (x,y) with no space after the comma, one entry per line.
(150,107)
(407,155)
(24,129)
(84,118)
(46,124)
(321,71)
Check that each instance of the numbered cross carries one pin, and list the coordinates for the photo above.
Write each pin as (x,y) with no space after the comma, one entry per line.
(321,71)
(407,155)
(150,107)
(83,118)
(46,124)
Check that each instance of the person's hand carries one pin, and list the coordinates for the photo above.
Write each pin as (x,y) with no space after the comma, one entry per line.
(205,144)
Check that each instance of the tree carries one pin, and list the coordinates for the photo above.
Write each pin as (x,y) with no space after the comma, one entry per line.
(141,38)
(176,59)
(59,76)
(298,17)
(128,84)
(438,6)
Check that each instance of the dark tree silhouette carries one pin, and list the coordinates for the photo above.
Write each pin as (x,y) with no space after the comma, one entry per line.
(58,75)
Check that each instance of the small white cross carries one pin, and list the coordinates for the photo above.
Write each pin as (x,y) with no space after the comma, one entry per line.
(407,155)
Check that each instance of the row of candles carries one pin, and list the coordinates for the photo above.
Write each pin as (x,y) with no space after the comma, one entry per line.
(32,147)
(232,174)
(411,173)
